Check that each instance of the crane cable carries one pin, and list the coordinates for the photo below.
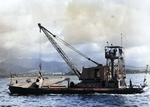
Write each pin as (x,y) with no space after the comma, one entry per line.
(40,53)
(71,47)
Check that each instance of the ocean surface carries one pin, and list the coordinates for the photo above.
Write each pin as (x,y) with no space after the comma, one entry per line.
(76,100)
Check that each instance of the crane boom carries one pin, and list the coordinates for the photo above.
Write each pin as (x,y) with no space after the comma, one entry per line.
(58,48)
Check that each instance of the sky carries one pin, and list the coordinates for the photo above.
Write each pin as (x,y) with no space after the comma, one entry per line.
(85,24)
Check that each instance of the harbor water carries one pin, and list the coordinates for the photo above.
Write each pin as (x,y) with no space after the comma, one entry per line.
(76,100)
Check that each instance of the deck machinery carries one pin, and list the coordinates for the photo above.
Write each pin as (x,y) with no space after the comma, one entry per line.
(112,75)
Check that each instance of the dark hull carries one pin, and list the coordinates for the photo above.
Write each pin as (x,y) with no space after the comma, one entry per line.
(25,91)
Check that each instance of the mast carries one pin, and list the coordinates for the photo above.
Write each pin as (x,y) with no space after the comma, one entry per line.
(114,57)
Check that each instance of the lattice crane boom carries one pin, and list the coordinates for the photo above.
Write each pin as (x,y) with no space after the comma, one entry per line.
(59,50)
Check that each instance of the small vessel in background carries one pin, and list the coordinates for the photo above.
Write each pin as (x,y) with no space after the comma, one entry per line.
(144,81)
(109,78)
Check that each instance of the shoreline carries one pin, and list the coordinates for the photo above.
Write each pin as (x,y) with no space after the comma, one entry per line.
(20,75)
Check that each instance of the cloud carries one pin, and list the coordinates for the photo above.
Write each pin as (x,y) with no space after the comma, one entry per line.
(104,21)
(18,25)
(96,21)
(137,55)
(83,24)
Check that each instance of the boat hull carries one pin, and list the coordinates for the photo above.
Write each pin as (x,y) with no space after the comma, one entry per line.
(63,90)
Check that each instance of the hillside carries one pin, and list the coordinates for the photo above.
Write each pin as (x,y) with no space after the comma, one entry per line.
(19,66)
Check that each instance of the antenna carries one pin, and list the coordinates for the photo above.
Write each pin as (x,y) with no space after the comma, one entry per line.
(107,43)
(122,38)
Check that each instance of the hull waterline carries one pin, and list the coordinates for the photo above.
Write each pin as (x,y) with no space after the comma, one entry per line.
(66,90)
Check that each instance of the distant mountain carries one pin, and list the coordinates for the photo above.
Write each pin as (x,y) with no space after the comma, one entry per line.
(19,66)
(134,67)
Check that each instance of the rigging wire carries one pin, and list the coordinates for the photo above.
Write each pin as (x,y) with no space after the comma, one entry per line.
(71,47)
(40,52)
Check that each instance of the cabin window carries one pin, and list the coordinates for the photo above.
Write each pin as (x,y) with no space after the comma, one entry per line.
(97,74)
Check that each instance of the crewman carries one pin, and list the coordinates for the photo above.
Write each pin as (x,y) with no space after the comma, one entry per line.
(131,86)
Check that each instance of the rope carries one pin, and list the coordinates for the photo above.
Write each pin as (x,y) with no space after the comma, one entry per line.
(40,53)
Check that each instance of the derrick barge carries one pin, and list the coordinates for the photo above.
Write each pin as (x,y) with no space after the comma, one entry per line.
(109,78)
